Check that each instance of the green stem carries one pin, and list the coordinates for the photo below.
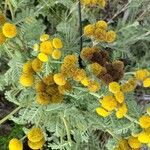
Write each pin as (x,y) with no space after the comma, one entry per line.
(23,138)
(9,115)
(68,132)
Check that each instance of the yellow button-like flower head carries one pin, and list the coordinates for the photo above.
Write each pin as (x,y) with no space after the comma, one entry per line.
(43,57)
(108,102)
(36,145)
(44,37)
(26,79)
(15,144)
(89,30)
(121,111)
(35,134)
(37,65)
(59,79)
(144,136)
(110,36)
(56,54)
(114,87)
(134,142)
(94,86)
(119,96)
(102,112)
(101,3)
(9,30)
(43,98)
(142,74)
(46,47)
(57,43)
(146,82)
(102,25)
(145,121)
(79,75)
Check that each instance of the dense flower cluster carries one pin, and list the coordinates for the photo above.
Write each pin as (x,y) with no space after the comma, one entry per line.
(101,66)
(48,47)
(15,144)
(100,32)
(91,3)
(49,92)
(35,138)
(7,30)
(110,102)
(29,70)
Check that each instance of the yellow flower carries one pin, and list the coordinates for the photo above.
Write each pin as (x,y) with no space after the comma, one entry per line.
(89,30)
(9,30)
(36,145)
(35,134)
(37,65)
(79,75)
(119,96)
(43,57)
(43,99)
(142,74)
(123,144)
(100,34)
(110,36)
(121,111)
(57,43)
(145,121)
(85,81)
(49,80)
(93,86)
(27,68)
(2,37)
(114,87)
(102,112)
(44,37)
(15,144)
(95,68)
(26,79)
(46,47)
(134,142)
(59,79)
(93,2)
(108,102)
(64,88)
(101,3)
(71,59)
(102,25)
(86,2)
(2,19)
(57,98)
(56,54)
(144,136)
(146,82)
(35,47)
(40,86)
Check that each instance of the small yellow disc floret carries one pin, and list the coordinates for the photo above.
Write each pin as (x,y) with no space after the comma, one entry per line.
(114,87)
(44,37)
(37,65)
(102,112)
(9,30)
(145,121)
(59,79)
(46,47)
(43,57)
(134,142)
(142,74)
(146,82)
(89,30)
(35,134)
(110,36)
(56,54)
(57,43)
(36,145)
(102,24)
(15,144)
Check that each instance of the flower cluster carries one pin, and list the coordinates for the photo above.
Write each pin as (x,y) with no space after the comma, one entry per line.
(15,144)
(7,30)
(70,70)
(91,3)
(116,102)
(29,70)
(132,143)
(99,32)
(48,47)
(143,76)
(101,66)
(49,92)
(35,138)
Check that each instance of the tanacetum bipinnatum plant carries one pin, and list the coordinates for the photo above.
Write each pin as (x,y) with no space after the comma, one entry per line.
(74,70)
